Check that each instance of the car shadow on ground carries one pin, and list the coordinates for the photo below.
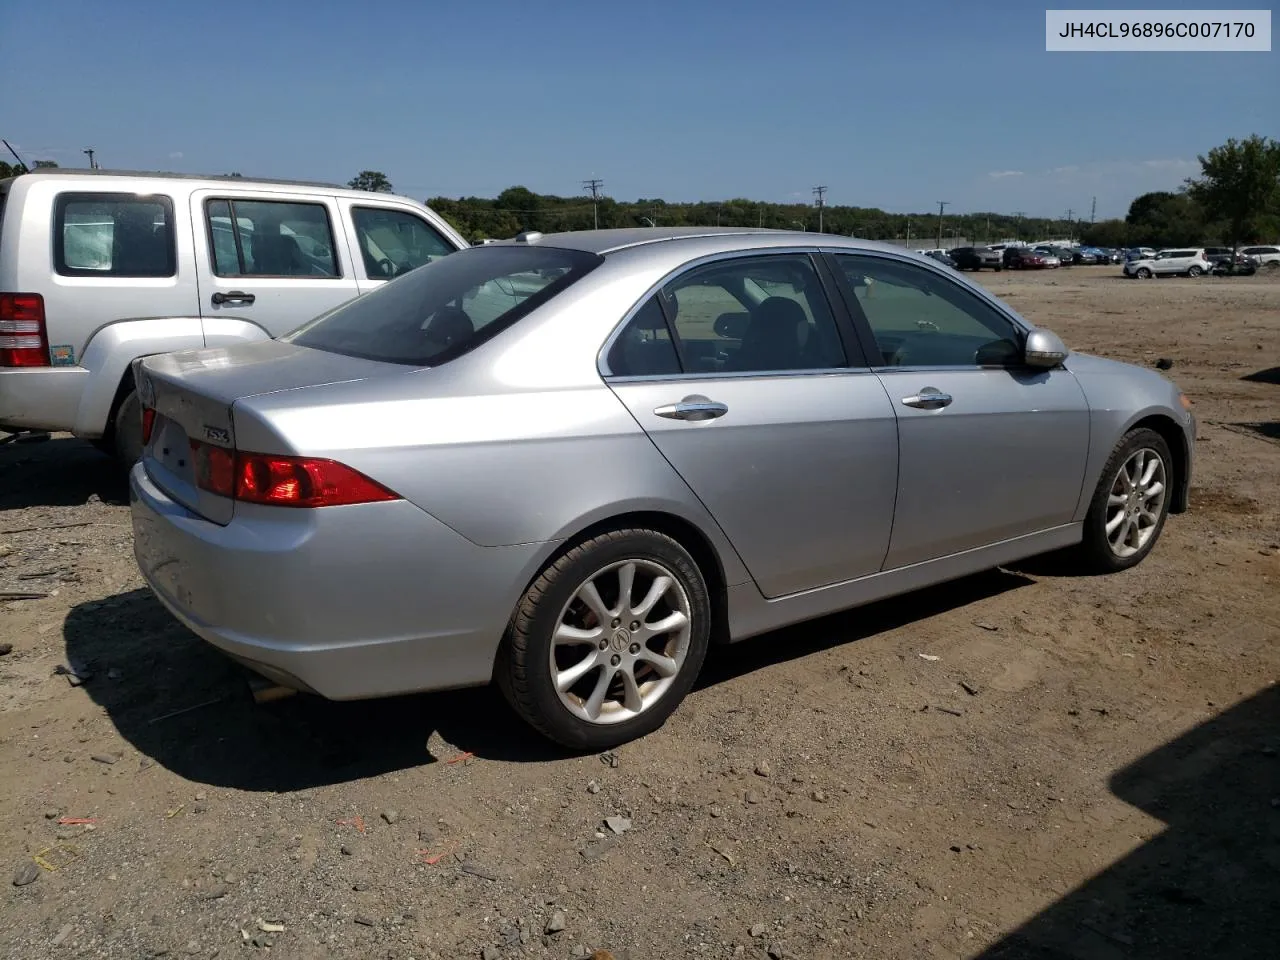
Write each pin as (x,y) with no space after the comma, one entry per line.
(179,702)
(1270,375)
(59,472)
(1208,884)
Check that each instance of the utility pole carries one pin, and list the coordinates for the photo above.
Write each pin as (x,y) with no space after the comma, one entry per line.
(88,152)
(987,236)
(942,205)
(594,185)
(761,218)
(1093,211)
(908,231)
(820,195)
(1017,225)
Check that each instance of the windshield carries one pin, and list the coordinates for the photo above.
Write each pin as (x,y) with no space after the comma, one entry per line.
(443,309)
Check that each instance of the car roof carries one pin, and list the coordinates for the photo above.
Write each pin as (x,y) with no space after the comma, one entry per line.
(45,173)
(605,242)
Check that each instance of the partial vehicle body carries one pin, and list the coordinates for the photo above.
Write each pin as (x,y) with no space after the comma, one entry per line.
(1267,257)
(976,258)
(98,268)
(569,463)
(941,257)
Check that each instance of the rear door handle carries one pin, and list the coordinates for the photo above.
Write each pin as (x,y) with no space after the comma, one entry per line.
(692,408)
(929,398)
(232,296)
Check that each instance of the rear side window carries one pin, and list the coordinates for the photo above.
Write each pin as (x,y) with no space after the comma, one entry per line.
(447,307)
(113,235)
(268,238)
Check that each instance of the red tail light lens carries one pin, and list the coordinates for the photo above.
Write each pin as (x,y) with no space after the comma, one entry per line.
(283,481)
(23,339)
(148,423)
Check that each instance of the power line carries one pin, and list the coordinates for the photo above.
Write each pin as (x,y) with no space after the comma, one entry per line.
(594,185)
(942,205)
(819,196)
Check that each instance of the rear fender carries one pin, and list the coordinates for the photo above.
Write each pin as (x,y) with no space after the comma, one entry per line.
(114,347)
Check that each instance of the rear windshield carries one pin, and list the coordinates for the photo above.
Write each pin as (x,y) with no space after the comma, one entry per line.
(447,307)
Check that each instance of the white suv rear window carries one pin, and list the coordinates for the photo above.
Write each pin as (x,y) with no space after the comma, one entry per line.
(113,235)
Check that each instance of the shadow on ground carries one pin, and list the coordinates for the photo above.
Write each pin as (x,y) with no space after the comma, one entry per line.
(1270,375)
(145,667)
(1209,884)
(59,472)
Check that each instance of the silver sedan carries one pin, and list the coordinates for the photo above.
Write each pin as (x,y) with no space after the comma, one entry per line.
(570,463)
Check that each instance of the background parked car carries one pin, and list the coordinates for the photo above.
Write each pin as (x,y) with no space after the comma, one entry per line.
(941,257)
(1139,253)
(976,258)
(1190,262)
(1268,258)
(1024,258)
(204,261)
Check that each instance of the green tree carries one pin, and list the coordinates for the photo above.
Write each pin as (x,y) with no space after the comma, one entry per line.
(43,164)
(1164,219)
(372,180)
(1240,185)
(9,170)
(1106,233)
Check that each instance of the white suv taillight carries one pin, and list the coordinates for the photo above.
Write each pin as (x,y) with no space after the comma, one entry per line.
(23,339)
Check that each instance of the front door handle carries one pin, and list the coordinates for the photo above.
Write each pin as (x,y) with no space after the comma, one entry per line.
(232,296)
(929,398)
(696,407)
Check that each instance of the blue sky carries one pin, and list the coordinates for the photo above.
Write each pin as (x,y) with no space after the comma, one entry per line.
(896,105)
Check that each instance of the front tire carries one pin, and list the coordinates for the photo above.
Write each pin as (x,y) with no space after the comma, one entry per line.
(1130,503)
(1194,272)
(608,640)
(1142,273)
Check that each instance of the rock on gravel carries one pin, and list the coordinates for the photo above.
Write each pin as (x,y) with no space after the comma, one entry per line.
(557,922)
(757,930)
(27,873)
(391,816)
(489,953)
(763,769)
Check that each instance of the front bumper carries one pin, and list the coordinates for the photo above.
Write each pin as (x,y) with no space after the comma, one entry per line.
(41,398)
(348,602)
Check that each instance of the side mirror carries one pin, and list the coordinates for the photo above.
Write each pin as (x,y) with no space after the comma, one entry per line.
(731,326)
(1044,349)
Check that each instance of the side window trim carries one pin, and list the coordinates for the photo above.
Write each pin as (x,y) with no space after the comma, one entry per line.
(855,353)
(231,201)
(863,326)
(64,198)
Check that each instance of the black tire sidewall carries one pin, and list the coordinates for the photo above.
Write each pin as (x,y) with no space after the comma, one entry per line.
(528,683)
(1096,547)
(127,430)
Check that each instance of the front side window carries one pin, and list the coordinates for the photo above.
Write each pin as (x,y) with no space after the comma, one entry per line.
(393,242)
(269,238)
(921,319)
(114,235)
(753,315)
(446,307)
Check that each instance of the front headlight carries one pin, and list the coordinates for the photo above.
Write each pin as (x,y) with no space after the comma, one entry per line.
(1184,401)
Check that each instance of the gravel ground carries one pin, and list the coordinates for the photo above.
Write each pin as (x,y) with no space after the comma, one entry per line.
(1088,769)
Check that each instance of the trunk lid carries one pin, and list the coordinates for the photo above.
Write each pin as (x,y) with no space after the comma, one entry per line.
(193,394)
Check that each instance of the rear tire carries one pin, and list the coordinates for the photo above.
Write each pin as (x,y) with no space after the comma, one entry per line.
(126,430)
(577,647)
(1194,272)
(1128,502)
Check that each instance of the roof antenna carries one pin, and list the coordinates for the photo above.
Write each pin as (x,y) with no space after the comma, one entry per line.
(25,168)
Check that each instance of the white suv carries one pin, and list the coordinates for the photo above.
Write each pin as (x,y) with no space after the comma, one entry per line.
(1267,257)
(99,268)
(1183,260)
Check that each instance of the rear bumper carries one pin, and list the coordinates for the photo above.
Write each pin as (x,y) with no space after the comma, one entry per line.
(41,398)
(348,602)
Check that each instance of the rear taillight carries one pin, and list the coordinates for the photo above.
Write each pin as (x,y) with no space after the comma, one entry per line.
(283,481)
(148,423)
(23,339)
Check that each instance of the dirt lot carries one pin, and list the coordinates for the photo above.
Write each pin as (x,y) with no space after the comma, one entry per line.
(1110,787)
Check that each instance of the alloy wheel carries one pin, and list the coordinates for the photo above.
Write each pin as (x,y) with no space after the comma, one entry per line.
(1135,502)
